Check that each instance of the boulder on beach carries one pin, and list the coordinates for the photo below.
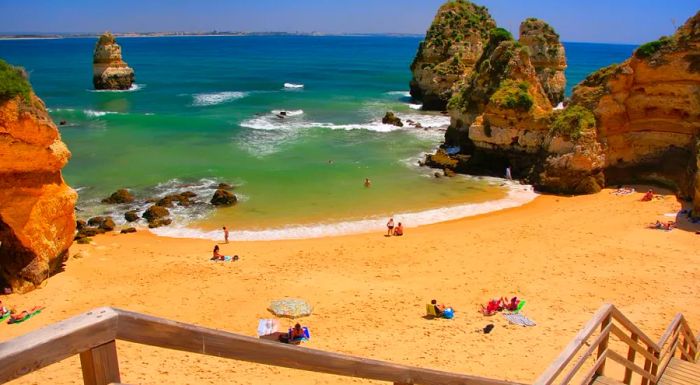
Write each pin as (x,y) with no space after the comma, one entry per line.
(131,216)
(128,230)
(159,222)
(223,198)
(102,223)
(119,196)
(155,212)
(182,199)
(390,118)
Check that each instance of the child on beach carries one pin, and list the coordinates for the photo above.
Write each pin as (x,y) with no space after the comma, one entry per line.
(390,227)
(648,196)
(225,234)
(216,255)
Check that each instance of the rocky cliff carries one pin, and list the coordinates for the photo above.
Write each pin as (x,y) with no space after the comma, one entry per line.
(638,121)
(547,56)
(109,71)
(452,46)
(37,219)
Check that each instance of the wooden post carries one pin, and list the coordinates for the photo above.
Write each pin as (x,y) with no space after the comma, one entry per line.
(100,365)
(603,344)
(630,357)
(655,367)
(647,366)
(686,349)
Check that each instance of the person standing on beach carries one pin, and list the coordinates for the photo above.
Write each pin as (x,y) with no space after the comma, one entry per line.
(367,182)
(389,227)
(225,234)
(509,176)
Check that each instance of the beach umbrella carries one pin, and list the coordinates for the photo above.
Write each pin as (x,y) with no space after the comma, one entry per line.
(290,308)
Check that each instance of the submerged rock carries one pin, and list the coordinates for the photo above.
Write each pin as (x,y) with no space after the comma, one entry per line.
(225,186)
(390,118)
(182,199)
(119,196)
(37,208)
(223,198)
(110,72)
(159,222)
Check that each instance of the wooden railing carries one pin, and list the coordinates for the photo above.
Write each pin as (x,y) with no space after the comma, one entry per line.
(93,336)
(609,322)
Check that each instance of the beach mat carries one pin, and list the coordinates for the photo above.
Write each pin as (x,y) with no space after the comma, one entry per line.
(519,319)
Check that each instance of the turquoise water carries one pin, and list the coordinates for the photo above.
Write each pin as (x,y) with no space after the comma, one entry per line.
(203,113)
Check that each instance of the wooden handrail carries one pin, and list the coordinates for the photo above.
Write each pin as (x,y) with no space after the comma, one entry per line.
(96,331)
(93,336)
(56,342)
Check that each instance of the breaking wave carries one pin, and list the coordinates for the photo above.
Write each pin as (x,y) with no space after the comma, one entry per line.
(214,98)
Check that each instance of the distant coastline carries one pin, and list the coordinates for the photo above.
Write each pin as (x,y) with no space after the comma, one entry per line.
(9,36)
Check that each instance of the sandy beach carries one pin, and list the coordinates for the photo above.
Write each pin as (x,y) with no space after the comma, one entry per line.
(566,256)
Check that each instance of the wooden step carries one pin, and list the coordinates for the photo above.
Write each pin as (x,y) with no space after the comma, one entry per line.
(602,380)
(679,372)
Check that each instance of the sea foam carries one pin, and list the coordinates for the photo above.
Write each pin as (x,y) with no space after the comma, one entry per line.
(517,195)
(214,98)
(134,87)
(293,86)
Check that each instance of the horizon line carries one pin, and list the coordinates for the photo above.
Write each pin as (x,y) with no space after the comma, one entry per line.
(216,33)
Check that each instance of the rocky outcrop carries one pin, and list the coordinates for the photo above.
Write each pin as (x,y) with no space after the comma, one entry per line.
(638,121)
(119,197)
(37,217)
(547,56)
(109,71)
(391,118)
(452,46)
(222,197)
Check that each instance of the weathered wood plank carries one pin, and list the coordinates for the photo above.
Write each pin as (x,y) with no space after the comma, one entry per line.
(619,333)
(568,353)
(630,365)
(592,372)
(143,329)
(56,342)
(624,321)
(589,352)
(100,365)
(603,346)
(631,353)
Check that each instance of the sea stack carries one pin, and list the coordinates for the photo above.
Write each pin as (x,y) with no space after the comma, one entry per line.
(547,56)
(37,208)
(109,71)
(452,46)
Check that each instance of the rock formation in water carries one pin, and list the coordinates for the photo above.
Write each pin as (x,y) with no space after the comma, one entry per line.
(452,46)
(638,121)
(37,218)
(109,71)
(547,56)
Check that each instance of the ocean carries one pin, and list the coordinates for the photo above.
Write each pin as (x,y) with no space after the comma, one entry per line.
(204,110)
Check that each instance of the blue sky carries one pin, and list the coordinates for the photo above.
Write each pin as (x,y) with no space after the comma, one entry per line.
(613,21)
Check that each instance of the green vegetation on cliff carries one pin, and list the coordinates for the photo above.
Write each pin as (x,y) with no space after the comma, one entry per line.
(646,50)
(513,95)
(454,19)
(13,82)
(572,122)
(106,39)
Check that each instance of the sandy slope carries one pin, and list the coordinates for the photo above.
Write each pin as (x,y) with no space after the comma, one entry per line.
(565,256)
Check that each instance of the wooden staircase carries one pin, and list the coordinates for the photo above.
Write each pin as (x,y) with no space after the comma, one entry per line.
(607,336)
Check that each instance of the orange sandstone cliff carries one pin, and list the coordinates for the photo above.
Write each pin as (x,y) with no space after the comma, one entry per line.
(37,218)
(638,121)
(452,46)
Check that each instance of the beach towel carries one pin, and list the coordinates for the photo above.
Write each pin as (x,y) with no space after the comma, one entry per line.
(29,315)
(519,319)
(5,315)
(267,326)
(227,258)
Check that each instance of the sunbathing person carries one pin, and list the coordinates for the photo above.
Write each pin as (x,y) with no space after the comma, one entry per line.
(511,305)
(495,305)
(648,196)
(14,317)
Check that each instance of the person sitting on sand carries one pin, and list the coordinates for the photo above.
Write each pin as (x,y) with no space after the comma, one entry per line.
(648,196)
(398,231)
(439,308)
(297,333)
(511,305)
(217,256)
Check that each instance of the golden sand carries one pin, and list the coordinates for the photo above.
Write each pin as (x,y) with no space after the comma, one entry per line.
(565,256)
